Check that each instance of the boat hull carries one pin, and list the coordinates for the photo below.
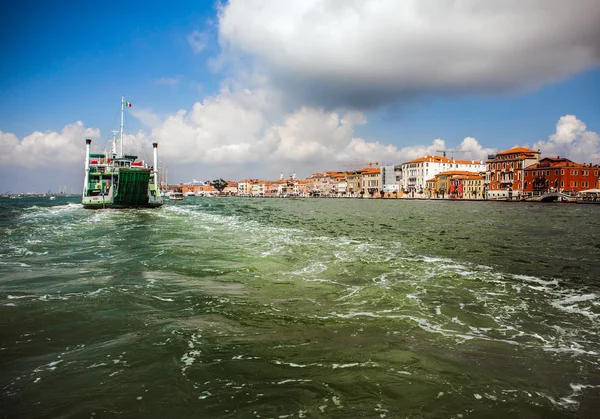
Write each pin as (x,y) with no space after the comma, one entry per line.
(110,205)
(135,189)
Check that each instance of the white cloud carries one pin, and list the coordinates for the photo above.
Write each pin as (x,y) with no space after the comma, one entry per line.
(364,53)
(147,117)
(235,128)
(168,81)
(573,141)
(46,149)
(198,40)
(233,132)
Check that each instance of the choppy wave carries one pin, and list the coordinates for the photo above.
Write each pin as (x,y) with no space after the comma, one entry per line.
(244,305)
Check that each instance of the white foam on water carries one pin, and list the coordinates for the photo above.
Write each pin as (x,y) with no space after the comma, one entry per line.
(290,380)
(190,357)
(51,366)
(291,364)
(19,264)
(204,395)
(536,280)
(352,291)
(244,357)
(163,299)
(568,304)
(354,364)
(100,364)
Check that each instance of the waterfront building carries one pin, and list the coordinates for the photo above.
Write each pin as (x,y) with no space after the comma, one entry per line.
(301,187)
(354,183)
(341,185)
(315,183)
(371,182)
(333,179)
(272,188)
(442,184)
(456,184)
(285,187)
(258,188)
(244,187)
(389,179)
(415,173)
(430,188)
(474,186)
(323,184)
(556,174)
(507,172)
(231,189)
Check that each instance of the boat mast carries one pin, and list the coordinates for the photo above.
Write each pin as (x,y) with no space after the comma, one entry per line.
(122,116)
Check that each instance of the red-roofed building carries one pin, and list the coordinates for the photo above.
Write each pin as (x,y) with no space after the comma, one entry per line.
(505,173)
(371,182)
(560,175)
(415,173)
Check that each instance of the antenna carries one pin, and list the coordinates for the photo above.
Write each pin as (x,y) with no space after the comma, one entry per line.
(114,142)
(122,116)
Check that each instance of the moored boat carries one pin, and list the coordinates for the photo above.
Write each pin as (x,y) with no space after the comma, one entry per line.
(118,180)
(589,196)
(176,196)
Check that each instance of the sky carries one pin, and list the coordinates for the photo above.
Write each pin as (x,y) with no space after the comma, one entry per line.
(244,89)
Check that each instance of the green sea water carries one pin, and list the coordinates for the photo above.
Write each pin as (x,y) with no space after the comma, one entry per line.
(299,308)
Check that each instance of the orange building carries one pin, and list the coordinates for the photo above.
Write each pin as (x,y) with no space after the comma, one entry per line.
(505,174)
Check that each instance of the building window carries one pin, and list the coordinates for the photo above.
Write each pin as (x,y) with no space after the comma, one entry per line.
(556,172)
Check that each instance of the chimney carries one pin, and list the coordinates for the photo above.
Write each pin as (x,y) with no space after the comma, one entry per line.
(155,167)
(88,143)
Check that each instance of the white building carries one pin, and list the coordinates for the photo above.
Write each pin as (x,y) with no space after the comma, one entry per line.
(258,188)
(416,172)
(389,179)
(341,187)
(244,188)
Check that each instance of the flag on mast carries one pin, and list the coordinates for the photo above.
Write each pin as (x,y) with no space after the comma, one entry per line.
(128,104)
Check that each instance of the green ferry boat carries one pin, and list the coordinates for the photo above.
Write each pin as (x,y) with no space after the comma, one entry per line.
(117,180)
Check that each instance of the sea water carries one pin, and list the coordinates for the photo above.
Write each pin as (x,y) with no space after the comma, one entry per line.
(300,308)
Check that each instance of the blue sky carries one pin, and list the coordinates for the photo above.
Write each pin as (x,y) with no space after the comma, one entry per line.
(250,88)
(73,60)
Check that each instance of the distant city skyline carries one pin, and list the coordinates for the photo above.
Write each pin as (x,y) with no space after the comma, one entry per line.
(254,88)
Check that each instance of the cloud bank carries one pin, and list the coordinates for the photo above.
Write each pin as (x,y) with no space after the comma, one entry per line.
(361,54)
(573,141)
(46,148)
(224,136)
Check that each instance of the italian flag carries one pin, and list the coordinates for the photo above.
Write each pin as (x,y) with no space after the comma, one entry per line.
(128,104)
